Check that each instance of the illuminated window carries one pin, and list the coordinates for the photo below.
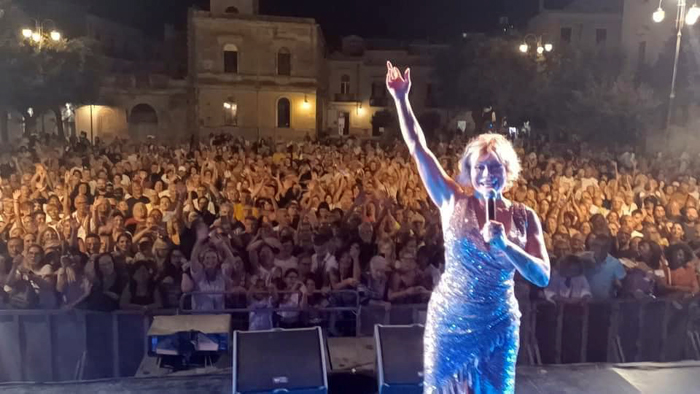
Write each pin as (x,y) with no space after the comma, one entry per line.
(230,113)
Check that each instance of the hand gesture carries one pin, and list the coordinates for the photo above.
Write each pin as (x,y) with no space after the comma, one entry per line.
(494,235)
(16,195)
(398,84)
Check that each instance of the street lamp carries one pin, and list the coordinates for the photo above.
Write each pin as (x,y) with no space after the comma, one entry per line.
(690,18)
(539,46)
(41,32)
(658,15)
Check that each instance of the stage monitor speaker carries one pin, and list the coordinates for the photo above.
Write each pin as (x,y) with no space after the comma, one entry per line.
(399,358)
(280,361)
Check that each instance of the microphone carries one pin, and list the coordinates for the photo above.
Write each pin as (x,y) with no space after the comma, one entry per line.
(491,206)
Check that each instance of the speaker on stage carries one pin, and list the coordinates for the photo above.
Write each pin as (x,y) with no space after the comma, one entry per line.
(280,361)
(399,359)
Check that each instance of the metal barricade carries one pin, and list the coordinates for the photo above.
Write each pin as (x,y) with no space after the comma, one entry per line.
(58,345)
(614,331)
(335,311)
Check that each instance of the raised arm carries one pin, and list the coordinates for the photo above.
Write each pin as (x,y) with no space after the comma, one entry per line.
(440,186)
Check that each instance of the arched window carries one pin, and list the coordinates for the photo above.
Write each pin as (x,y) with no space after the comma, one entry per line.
(231,10)
(143,114)
(284,62)
(345,84)
(230,59)
(284,109)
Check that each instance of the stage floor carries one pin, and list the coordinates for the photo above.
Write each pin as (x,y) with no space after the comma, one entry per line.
(352,360)
(643,378)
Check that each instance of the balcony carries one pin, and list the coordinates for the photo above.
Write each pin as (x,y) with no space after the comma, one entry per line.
(379,101)
(345,98)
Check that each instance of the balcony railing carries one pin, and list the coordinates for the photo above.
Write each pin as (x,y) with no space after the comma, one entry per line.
(345,97)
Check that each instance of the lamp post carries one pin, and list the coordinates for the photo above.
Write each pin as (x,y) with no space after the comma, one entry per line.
(42,33)
(541,46)
(684,17)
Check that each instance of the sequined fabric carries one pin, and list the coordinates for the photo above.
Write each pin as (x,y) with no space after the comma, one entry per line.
(471,335)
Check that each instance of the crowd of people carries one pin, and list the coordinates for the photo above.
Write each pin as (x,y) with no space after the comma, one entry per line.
(231,223)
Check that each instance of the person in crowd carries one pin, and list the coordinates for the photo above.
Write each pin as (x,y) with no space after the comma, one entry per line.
(260,211)
(568,284)
(140,292)
(682,263)
(604,272)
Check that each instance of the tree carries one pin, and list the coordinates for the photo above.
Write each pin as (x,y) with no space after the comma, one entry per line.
(46,77)
(487,72)
(613,111)
(658,76)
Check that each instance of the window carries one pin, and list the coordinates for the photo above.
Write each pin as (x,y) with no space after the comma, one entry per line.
(284,62)
(230,59)
(231,10)
(601,35)
(378,89)
(231,113)
(642,53)
(345,84)
(283,113)
(566,35)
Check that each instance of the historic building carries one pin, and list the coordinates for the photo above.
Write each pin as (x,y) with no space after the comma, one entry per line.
(357,82)
(245,73)
(255,75)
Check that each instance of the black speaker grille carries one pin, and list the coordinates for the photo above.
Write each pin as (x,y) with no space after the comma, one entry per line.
(279,360)
(402,354)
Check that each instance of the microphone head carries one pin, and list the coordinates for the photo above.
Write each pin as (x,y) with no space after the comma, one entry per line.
(492,194)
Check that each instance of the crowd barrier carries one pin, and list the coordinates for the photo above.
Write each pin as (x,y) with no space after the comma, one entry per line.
(59,345)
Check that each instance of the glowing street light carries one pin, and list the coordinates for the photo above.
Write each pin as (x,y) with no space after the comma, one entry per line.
(686,16)
(306,104)
(658,15)
(538,43)
(692,16)
(41,32)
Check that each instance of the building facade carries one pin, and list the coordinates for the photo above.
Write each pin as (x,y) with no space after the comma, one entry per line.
(255,75)
(247,74)
(588,25)
(357,82)
(624,25)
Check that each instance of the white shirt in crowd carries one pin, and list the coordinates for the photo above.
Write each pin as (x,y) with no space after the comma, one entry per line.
(576,289)
(291,262)
(328,261)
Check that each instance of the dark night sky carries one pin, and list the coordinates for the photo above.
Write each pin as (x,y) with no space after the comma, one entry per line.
(437,19)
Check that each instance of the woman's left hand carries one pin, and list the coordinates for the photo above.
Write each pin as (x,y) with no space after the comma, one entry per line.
(494,234)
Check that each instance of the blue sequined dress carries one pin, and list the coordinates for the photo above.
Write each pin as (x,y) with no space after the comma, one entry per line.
(472,329)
